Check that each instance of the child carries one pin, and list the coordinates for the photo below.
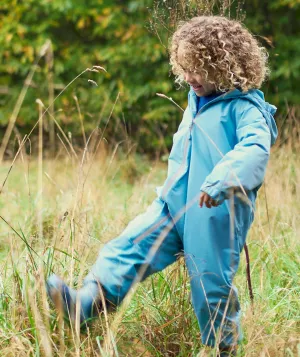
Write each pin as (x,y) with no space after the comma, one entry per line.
(222,147)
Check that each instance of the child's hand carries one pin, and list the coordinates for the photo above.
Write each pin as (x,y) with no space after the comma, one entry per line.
(207,200)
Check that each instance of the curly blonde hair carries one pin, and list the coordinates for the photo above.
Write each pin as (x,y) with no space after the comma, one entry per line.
(221,50)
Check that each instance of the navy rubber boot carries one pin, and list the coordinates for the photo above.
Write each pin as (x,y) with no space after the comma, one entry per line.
(68,301)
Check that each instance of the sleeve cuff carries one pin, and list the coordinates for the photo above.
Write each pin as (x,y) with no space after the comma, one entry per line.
(214,191)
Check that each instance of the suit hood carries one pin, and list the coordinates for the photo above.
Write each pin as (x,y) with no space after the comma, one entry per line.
(255,96)
(268,110)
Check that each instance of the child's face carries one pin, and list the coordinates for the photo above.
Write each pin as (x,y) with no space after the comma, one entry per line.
(195,80)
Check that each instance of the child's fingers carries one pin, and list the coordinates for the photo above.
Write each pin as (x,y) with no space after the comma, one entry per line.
(208,201)
(201,199)
(214,203)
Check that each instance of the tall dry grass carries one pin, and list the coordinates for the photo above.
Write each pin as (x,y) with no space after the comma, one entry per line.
(88,201)
(56,214)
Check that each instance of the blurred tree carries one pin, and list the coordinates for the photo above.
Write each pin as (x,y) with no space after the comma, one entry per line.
(276,24)
(128,38)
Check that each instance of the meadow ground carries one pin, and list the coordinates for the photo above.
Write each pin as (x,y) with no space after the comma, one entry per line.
(57,216)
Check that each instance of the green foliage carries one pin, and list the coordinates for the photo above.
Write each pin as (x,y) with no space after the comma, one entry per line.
(276,24)
(123,37)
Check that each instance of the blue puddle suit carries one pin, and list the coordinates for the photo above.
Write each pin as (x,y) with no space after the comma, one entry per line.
(224,145)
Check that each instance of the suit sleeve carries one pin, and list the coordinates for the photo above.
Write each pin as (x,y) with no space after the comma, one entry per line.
(245,165)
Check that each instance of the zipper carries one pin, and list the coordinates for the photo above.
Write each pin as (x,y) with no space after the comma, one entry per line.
(190,129)
(182,165)
(177,174)
(187,143)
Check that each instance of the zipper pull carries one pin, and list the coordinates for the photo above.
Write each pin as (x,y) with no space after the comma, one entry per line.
(190,129)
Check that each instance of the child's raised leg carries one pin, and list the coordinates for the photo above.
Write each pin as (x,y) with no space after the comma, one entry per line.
(148,245)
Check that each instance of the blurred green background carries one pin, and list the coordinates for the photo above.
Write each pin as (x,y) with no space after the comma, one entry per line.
(129,39)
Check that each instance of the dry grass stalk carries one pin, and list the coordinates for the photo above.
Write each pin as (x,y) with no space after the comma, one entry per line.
(49,66)
(81,120)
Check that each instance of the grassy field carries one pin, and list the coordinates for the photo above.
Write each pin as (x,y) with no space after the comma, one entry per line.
(56,215)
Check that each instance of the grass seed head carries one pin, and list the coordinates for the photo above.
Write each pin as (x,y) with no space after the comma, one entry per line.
(93,82)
